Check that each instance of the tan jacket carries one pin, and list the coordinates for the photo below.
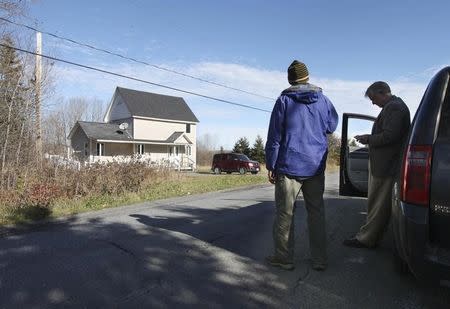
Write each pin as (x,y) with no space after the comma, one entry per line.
(388,138)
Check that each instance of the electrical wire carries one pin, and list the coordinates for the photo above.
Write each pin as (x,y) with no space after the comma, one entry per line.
(133,59)
(134,78)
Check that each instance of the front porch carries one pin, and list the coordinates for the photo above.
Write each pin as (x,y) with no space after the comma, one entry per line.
(174,156)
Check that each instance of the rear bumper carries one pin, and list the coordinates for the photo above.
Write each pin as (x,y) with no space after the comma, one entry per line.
(411,232)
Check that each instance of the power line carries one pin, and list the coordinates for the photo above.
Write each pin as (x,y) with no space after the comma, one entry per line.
(134,78)
(133,59)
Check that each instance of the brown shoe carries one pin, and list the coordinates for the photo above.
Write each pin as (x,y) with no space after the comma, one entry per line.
(275,261)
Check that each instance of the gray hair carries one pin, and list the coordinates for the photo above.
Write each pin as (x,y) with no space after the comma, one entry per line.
(378,87)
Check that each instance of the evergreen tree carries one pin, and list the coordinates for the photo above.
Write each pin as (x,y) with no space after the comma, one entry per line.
(257,151)
(242,146)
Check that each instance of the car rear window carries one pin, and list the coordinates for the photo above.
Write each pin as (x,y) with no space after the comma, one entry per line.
(444,123)
(243,157)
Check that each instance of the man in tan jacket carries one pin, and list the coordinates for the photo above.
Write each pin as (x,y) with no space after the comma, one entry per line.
(386,143)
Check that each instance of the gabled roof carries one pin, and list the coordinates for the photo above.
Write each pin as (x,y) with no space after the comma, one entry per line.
(106,131)
(176,135)
(153,105)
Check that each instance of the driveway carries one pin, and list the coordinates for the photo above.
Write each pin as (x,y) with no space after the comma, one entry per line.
(201,251)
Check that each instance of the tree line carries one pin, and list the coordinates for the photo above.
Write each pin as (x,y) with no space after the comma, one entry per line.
(257,152)
(206,148)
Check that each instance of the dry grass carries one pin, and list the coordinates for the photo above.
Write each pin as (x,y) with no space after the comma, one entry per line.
(53,191)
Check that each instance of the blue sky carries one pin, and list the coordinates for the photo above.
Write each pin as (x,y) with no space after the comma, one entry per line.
(248,45)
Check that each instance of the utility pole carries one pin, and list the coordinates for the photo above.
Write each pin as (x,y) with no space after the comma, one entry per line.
(38,80)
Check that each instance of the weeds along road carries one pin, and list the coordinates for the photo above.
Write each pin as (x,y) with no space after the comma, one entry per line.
(201,251)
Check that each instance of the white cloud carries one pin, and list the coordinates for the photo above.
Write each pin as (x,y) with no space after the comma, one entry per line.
(228,122)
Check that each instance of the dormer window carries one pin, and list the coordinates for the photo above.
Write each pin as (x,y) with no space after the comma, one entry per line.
(188,128)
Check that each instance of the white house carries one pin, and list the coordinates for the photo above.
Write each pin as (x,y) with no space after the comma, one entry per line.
(157,128)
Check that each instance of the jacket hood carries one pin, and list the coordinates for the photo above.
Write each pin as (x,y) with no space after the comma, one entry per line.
(303,93)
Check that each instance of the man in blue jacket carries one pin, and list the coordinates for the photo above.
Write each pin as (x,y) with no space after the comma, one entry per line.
(296,154)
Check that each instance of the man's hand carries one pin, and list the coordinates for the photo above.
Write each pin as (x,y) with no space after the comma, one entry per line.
(363,139)
(272,177)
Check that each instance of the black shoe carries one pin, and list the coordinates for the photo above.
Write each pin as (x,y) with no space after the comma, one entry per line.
(355,243)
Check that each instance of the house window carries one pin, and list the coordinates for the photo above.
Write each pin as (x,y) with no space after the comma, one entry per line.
(86,145)
(176,150)
(188,150)
(170,150)
(140,149)
(188,128)
(100,149)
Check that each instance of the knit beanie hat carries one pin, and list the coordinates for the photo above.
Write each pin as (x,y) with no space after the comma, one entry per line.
(297,73)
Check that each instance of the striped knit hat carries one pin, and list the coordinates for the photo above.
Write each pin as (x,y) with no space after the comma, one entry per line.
(297,73)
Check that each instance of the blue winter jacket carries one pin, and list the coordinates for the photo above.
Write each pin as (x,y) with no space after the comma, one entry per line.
(297,138)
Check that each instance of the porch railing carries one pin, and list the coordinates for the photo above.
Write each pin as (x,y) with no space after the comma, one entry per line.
(182,162)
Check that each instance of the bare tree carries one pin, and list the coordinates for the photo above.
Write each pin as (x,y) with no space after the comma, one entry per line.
(60,120)
(95,110)
(12,8)
(206,147)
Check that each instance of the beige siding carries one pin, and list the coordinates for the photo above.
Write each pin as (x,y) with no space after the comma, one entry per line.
(118,149)
(157,152)
(160,130)
(143,130)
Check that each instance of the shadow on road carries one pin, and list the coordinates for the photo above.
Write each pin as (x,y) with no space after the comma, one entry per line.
(110,265)
(177,260)
(355,278)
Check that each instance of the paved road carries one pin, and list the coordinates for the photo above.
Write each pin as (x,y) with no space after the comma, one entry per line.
(200,251)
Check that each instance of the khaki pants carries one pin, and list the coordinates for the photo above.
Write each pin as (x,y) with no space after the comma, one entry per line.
(378,210)
(286,192)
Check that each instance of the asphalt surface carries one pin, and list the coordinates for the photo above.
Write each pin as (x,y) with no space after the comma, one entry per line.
(201,251)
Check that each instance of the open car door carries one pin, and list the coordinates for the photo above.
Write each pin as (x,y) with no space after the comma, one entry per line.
(354,159)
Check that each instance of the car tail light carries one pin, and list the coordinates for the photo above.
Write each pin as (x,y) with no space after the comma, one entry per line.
(416,175)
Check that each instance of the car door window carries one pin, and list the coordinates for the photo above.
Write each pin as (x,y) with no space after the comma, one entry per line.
(354,163)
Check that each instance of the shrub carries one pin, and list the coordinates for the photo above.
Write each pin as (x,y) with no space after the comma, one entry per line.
(41,187)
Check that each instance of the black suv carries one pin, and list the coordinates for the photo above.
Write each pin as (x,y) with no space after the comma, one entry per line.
(421,193)
(233,162)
